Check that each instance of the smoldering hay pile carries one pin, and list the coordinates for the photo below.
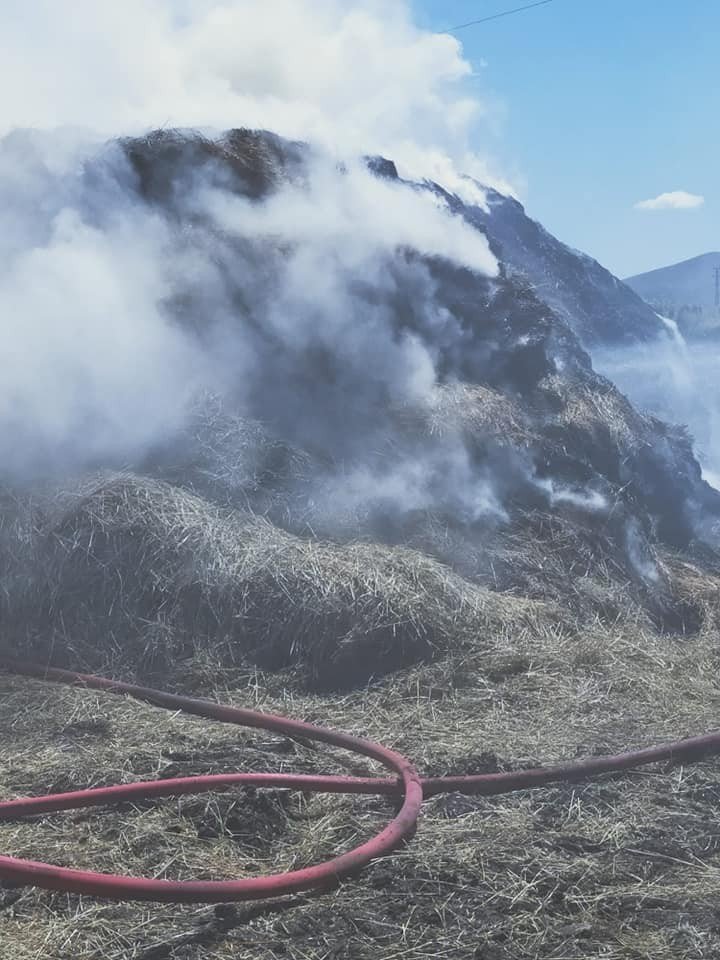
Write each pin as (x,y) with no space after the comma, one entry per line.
(350,441)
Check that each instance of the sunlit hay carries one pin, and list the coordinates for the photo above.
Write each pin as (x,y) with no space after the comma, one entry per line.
(618,868)
(473,411)
(589,407)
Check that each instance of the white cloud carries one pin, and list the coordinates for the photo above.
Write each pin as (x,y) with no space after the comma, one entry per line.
(675,200)
(355,76)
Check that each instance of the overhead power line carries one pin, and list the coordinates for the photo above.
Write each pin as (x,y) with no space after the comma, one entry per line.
(497,16)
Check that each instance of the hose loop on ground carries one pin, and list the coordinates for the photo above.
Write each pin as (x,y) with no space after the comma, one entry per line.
(406,786)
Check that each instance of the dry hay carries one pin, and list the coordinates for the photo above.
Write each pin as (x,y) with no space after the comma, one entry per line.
(234,460)
(157,580)
(621,869)
(597,407)
(580,564)
(251,161)
(473,411)
(158,572)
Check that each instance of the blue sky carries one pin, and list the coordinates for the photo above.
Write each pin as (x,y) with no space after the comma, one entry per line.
(599,104)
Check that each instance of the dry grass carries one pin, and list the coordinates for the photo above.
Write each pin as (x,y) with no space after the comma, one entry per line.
(234,461)
(249,161)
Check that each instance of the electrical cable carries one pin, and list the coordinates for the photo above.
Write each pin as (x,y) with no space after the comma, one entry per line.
(498,16)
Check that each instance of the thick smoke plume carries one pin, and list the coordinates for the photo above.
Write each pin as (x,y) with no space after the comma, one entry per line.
(355,77)
(116,314)
(93,279)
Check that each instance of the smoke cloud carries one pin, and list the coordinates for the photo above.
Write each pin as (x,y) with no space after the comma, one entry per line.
(355,77)
(91,278)
(323,309)
(315,311)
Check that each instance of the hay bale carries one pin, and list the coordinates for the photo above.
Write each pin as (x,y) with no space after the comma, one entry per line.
(595,406)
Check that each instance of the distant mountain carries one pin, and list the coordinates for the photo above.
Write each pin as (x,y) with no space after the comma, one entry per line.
(595,304)
(691,281)
(684,291)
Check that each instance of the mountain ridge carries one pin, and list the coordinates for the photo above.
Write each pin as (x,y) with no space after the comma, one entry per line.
(685,282)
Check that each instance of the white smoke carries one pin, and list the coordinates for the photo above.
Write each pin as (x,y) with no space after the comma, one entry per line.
(353,219)
(674,330)
(355,76)
(590,501)
(675,381)
(442,478)
(96,367)
(639,553)
(89,364)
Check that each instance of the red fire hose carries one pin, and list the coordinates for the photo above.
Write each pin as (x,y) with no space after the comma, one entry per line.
(407,787)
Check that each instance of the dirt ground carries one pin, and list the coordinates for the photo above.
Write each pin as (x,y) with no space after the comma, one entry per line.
(624,867)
